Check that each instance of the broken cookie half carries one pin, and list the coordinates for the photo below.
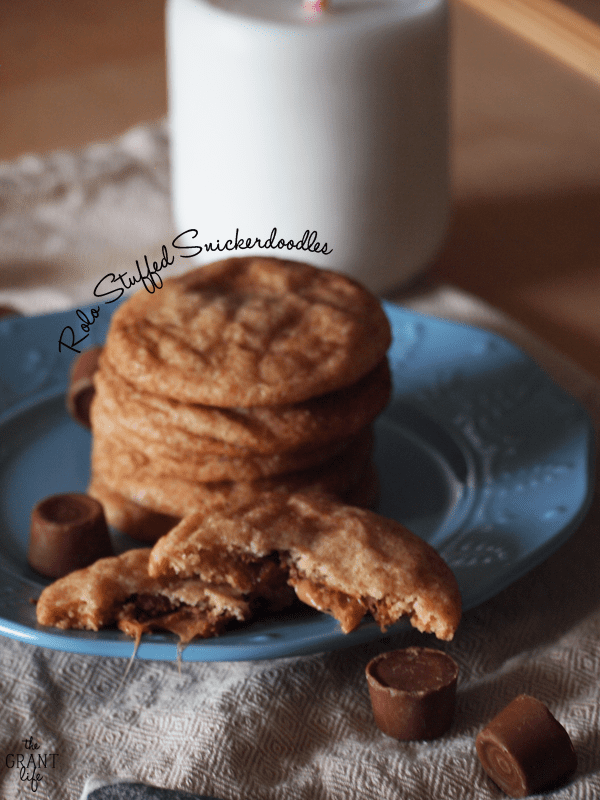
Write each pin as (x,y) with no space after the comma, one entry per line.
(339,559)
(118,591)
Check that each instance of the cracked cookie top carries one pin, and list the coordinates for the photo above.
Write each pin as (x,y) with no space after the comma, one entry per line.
(248,332)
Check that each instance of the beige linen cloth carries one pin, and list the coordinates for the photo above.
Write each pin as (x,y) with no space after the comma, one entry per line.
(288,729)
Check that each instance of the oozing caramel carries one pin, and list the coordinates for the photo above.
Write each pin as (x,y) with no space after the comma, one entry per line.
(146,613)
(347,610)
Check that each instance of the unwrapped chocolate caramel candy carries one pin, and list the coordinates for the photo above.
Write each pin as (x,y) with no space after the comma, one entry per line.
(68,532)
(524,749)
(81,386)
(413,692)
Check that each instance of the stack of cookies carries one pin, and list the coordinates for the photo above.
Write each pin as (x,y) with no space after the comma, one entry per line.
(243,376)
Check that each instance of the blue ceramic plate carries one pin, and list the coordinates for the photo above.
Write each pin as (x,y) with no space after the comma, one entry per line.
(479,452)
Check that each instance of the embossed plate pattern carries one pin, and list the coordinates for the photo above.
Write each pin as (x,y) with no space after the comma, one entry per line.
(479,452)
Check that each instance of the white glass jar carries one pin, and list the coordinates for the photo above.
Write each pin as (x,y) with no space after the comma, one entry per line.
(333,123)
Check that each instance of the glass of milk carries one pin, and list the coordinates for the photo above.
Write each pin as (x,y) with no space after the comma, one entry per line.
(295,126)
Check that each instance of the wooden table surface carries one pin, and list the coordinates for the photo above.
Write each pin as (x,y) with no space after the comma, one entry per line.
(525,229)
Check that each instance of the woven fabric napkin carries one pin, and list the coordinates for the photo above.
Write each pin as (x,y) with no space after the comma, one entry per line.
(286,729)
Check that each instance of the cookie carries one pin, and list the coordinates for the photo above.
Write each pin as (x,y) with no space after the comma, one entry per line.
(148,526)
(118,591)
(248,332)
(263,429)
(132,452)
(340,559)
(176,496)
(131,518)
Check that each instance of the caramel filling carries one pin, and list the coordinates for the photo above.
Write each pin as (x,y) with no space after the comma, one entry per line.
(271,585)
(143,613)
(275,580)
(347,610)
